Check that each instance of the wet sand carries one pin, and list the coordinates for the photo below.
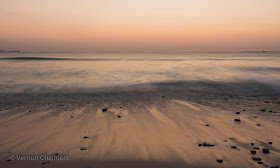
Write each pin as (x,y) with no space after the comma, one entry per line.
(141,130)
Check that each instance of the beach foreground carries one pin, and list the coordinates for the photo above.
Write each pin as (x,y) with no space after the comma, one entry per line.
(147,130)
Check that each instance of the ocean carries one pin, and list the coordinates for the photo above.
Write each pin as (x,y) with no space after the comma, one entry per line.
(253,73)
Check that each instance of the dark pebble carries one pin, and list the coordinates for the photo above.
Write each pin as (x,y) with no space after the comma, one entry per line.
(237,120)
(119,116)
(72,116)
(45,162)
(206,145)
(256,159)
(257,148)
(207,125)
(253,152)
(270,111)
(9,160)
(255,117)
(252,144)
(104,110)
(225,140)
(233,147)
(262,110)
(29,111)
(260,162)
(83,148)
(237,113)
(220,160)
(270,143)
(86,137)
(265,151)
(258,125)
(120,107)
(244,110)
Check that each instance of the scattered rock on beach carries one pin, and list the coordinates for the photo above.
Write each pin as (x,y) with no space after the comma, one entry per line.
(207,125)
(45,162)
(252,143)
(220,160)
(237,113)
(265,151)
(262,110)
(206,145)
(260,162)
(233,147)
(253,152)
(270,143)
(119,116)
(257,148)
(83,148)
(256,159)
(258,125)
(86,137)
(9,160)
(237,120)
(104,110)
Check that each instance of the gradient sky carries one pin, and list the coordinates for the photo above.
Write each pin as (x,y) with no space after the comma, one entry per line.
(139,25)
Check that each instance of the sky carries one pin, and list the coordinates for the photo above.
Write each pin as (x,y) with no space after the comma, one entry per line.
(139,25)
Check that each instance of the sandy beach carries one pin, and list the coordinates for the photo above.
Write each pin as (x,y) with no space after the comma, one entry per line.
(141,130)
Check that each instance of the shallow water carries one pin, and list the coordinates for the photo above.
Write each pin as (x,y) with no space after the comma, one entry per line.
(88,72)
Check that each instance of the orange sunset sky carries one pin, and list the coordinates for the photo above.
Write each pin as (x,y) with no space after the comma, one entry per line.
(139,25)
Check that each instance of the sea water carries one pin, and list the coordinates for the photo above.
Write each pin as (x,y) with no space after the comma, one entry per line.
(42,73)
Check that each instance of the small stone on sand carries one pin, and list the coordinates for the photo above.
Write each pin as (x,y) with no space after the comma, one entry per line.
(237,113)
(86,137)
(45,162)
(233,147)
(104,110)
(270,143)
(265,151)
(220,160)
(83,148)
(206,145)
(256,159)
(237,120)
(253,152)
(262,110)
